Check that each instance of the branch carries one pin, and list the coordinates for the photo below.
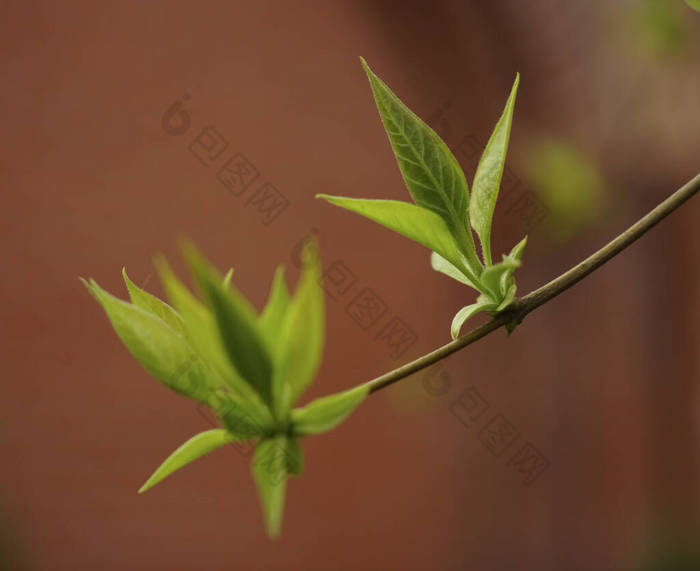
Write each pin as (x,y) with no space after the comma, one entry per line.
(548,291)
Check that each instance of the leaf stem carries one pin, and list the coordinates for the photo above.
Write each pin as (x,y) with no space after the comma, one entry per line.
(548,291)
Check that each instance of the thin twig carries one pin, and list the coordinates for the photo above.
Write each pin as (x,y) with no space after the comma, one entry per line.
(548,291)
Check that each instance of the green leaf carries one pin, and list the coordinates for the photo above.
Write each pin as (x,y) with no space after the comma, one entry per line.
(227,279)
(431,173)
(194,448)
(270,469)
(694,4)
(508,298)
(294,458)
(302,335)
(493,276)
(440,264)
(275,309)
(325,413)
(469,311)
(153,305)
(411,221)
(507,282)
(161,351)
(199,325)
(489,172)
(242,418)
(237,324)
(202,332)
(517,252)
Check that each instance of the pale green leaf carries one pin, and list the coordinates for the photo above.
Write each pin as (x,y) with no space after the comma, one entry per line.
(302,335)
(517,252)
(489,173)
(440,264)
(237,324)
(202,332)
(242,418)
(508,298)
(194,448)
(152,304)
(162,352)
(411,221)
(432,174)
(467,312)
(227,279)
(270,471)
(493,276)
(274,312)
(325,413)
(507,281)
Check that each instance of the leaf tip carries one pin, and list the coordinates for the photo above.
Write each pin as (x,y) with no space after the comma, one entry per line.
(162,266)
(370,74)
(187,247)
(279,274)
(88,286)
(129,284)
(514,89)
(227,278)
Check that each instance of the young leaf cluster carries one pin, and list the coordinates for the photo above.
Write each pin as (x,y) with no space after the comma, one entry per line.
(444,213)
(249,368)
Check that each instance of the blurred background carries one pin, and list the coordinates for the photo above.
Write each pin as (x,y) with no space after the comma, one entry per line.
(572,444)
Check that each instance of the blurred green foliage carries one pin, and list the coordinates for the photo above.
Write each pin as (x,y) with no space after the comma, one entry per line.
(659,26)
(671,551)
(569,181)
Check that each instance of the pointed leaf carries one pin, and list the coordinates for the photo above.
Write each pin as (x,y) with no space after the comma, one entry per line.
(237,325)
(411,221)
(507,282)
(493,276)
(161,351)
(694,4)
(440,264)
(275,310)
(489,172)
(227,279)
(194,448)
(202,332)
(199,325)
(270,470)
(466,312)
(302,333)
(517,252)
(144,300)
(431,173)
(508,298)
(325,413)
